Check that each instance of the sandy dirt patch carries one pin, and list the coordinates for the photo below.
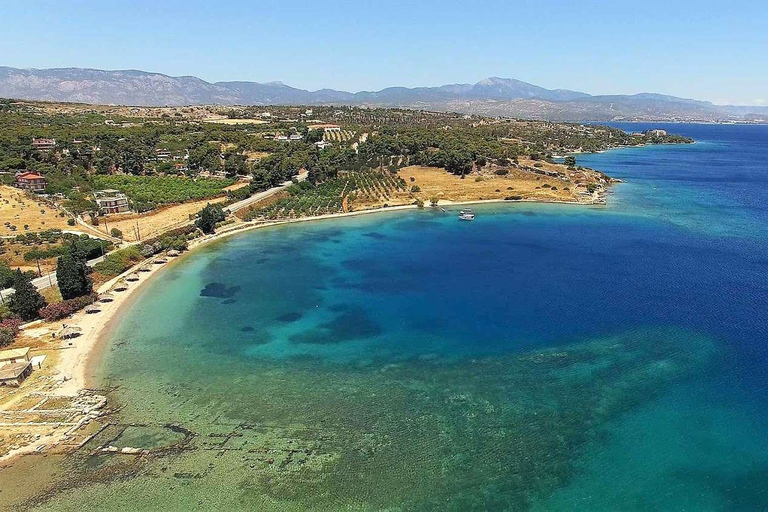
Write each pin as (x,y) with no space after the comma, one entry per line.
(153,223)
(18,209)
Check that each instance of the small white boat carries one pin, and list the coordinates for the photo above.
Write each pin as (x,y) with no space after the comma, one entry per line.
(466,215)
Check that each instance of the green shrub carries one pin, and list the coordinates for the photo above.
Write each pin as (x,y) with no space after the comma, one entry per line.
(118,262)
(146,192)
(7,336)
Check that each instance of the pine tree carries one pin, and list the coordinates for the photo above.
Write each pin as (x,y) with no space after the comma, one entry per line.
(209,217)
(26,300)
(72,277)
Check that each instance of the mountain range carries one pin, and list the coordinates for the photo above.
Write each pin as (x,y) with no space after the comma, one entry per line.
(491,97)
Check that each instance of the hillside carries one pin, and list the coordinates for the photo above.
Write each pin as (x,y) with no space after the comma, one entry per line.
(491,97)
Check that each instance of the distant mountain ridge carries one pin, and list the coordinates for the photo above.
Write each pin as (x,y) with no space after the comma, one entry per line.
(493,96)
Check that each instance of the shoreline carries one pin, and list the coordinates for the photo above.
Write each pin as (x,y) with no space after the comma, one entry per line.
(76,365)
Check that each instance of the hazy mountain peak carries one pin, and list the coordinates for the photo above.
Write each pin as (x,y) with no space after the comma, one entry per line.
(493,96)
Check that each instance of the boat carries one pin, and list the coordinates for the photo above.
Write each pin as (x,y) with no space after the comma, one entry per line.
(466,215)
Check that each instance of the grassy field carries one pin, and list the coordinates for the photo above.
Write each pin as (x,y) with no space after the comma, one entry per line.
(155,222)
(437,183)
(146,191)
(19,210)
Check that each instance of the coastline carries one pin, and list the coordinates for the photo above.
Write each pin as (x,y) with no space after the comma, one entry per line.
(83,376)
(75,367)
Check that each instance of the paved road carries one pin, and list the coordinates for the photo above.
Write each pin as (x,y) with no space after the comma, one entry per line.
(47,280)
(262,195)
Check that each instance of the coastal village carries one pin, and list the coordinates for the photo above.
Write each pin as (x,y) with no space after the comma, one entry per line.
(95,199)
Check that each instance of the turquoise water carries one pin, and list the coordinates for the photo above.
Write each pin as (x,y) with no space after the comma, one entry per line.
(543,357)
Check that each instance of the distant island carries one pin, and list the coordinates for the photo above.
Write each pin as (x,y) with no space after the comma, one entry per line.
(489,97)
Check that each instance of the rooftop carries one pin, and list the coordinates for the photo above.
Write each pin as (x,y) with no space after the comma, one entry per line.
(12,371)
(13,353)
(30,176)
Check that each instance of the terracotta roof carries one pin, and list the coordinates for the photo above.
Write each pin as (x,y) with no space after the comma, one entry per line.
(30,176)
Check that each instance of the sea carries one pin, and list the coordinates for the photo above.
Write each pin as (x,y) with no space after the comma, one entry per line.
(542,357)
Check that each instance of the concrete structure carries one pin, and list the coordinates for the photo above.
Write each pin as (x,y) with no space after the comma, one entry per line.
(44,144)
(111,201)
(15,355)
(14,374)
(655,133)
(31,181)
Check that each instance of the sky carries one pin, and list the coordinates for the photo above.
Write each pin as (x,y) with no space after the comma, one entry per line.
(710,50)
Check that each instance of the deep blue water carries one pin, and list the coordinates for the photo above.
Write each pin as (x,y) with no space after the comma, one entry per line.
(312,320)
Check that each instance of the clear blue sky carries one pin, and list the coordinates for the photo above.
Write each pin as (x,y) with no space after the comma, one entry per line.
(708,49)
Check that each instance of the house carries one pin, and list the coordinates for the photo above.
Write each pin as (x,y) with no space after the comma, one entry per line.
(15,355)
(31,181)
(294,137)
(162,154)
(282,137)
(179,167)
(44,144)
(322,144)
(655,133)
(111,201)
(325,127)
(15,373)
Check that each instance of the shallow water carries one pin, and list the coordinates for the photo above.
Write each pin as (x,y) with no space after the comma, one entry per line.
(542,357)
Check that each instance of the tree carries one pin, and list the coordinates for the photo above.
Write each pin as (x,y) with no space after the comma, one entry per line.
(570,161)
(116,233)
(6,275)
(206,157)
(209,216)
(234,164)
(314,136)
(35,255)
(261,180)
(72,277)
(26,301)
